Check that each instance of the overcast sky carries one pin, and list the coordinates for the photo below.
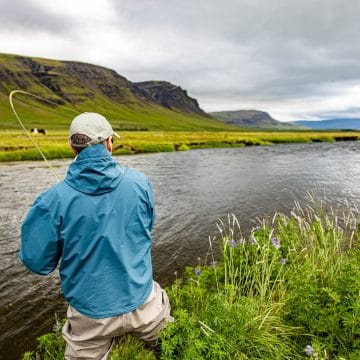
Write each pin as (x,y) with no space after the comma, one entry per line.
(296,59)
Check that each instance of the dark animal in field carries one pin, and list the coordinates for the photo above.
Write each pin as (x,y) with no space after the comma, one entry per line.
(38,131)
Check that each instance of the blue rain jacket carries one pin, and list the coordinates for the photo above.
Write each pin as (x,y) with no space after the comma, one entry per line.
(98,222)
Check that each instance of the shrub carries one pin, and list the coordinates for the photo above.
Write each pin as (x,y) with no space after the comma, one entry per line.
(182,147)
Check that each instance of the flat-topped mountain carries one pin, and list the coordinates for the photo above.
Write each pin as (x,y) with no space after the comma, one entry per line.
(86,87)
(252,119)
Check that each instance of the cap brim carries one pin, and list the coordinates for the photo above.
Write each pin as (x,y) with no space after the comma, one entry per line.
(116,135)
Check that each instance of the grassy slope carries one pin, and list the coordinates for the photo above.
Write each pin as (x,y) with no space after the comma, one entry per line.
(128,113)
(135,116)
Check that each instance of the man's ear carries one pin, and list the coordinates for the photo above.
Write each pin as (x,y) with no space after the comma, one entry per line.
(72,149)
(109,145)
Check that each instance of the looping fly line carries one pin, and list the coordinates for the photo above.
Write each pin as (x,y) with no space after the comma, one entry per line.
(27,132)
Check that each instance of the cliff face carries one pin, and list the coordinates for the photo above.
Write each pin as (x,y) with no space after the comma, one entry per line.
(71,82)
(167,95)
(75,82)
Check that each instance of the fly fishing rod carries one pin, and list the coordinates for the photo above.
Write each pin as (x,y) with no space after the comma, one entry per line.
(27,132)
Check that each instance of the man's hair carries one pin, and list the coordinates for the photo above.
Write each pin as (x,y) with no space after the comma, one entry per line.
(79,142)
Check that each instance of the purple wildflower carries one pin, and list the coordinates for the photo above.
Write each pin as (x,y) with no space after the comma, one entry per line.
(283,261)
(276,243)
(308,350)
(233,243)
(253,240)
(197,272)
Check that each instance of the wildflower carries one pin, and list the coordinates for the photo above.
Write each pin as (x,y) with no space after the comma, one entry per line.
(213,263)
(308,350)
(283,261)
(197,271)
(276,243)
(233,243)
(253,240)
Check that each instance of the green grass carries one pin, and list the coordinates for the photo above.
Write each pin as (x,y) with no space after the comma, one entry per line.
(129,115)
(290,285)
(15,145)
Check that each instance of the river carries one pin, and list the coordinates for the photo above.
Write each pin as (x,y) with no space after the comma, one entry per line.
(192,190)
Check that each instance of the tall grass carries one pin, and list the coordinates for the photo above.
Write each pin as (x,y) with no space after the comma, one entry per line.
(288,289)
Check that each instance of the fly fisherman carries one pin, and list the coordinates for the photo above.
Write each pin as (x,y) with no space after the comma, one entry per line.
(97,223)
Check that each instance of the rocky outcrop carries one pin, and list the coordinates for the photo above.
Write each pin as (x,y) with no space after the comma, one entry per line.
(167,95)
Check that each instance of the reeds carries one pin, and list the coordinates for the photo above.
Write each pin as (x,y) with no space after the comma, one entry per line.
(291,273)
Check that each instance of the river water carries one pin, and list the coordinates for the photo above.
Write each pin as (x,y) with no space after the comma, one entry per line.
(192,190)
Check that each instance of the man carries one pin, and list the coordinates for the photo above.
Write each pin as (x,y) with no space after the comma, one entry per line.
(97,223)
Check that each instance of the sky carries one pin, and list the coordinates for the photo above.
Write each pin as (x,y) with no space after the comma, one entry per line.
(295,59)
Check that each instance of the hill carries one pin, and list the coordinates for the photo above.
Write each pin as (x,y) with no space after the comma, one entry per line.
(330,124)
(253,119)
(75,87)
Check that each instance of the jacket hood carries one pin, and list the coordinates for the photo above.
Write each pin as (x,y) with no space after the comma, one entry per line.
(94,171)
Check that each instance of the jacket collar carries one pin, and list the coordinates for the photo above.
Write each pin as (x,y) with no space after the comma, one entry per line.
(94,171)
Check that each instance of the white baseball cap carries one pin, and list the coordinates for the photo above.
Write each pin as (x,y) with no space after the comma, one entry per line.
(93,125)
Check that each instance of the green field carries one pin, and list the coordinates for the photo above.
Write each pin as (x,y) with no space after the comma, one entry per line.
(16,145)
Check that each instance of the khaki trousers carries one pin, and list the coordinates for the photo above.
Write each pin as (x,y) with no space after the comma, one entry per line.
(89,338)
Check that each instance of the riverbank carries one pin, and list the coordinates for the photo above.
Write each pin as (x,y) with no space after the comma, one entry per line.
(287,290)
(16,146)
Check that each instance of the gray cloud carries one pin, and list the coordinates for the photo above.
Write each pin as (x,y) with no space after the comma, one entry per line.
(224,52)
(258,49)
(245,20)
(351,112)
(23,15)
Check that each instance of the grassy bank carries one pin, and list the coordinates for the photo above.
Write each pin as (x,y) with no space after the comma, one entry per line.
(287,290)
(15,145)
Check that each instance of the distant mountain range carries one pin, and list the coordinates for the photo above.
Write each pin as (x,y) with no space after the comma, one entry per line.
(253,119)
(76,87)
(330,124)
(260,120)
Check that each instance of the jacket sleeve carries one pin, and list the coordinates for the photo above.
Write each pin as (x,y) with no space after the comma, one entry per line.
(40,245)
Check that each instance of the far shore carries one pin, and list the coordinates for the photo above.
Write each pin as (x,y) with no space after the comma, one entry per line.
(17,146)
